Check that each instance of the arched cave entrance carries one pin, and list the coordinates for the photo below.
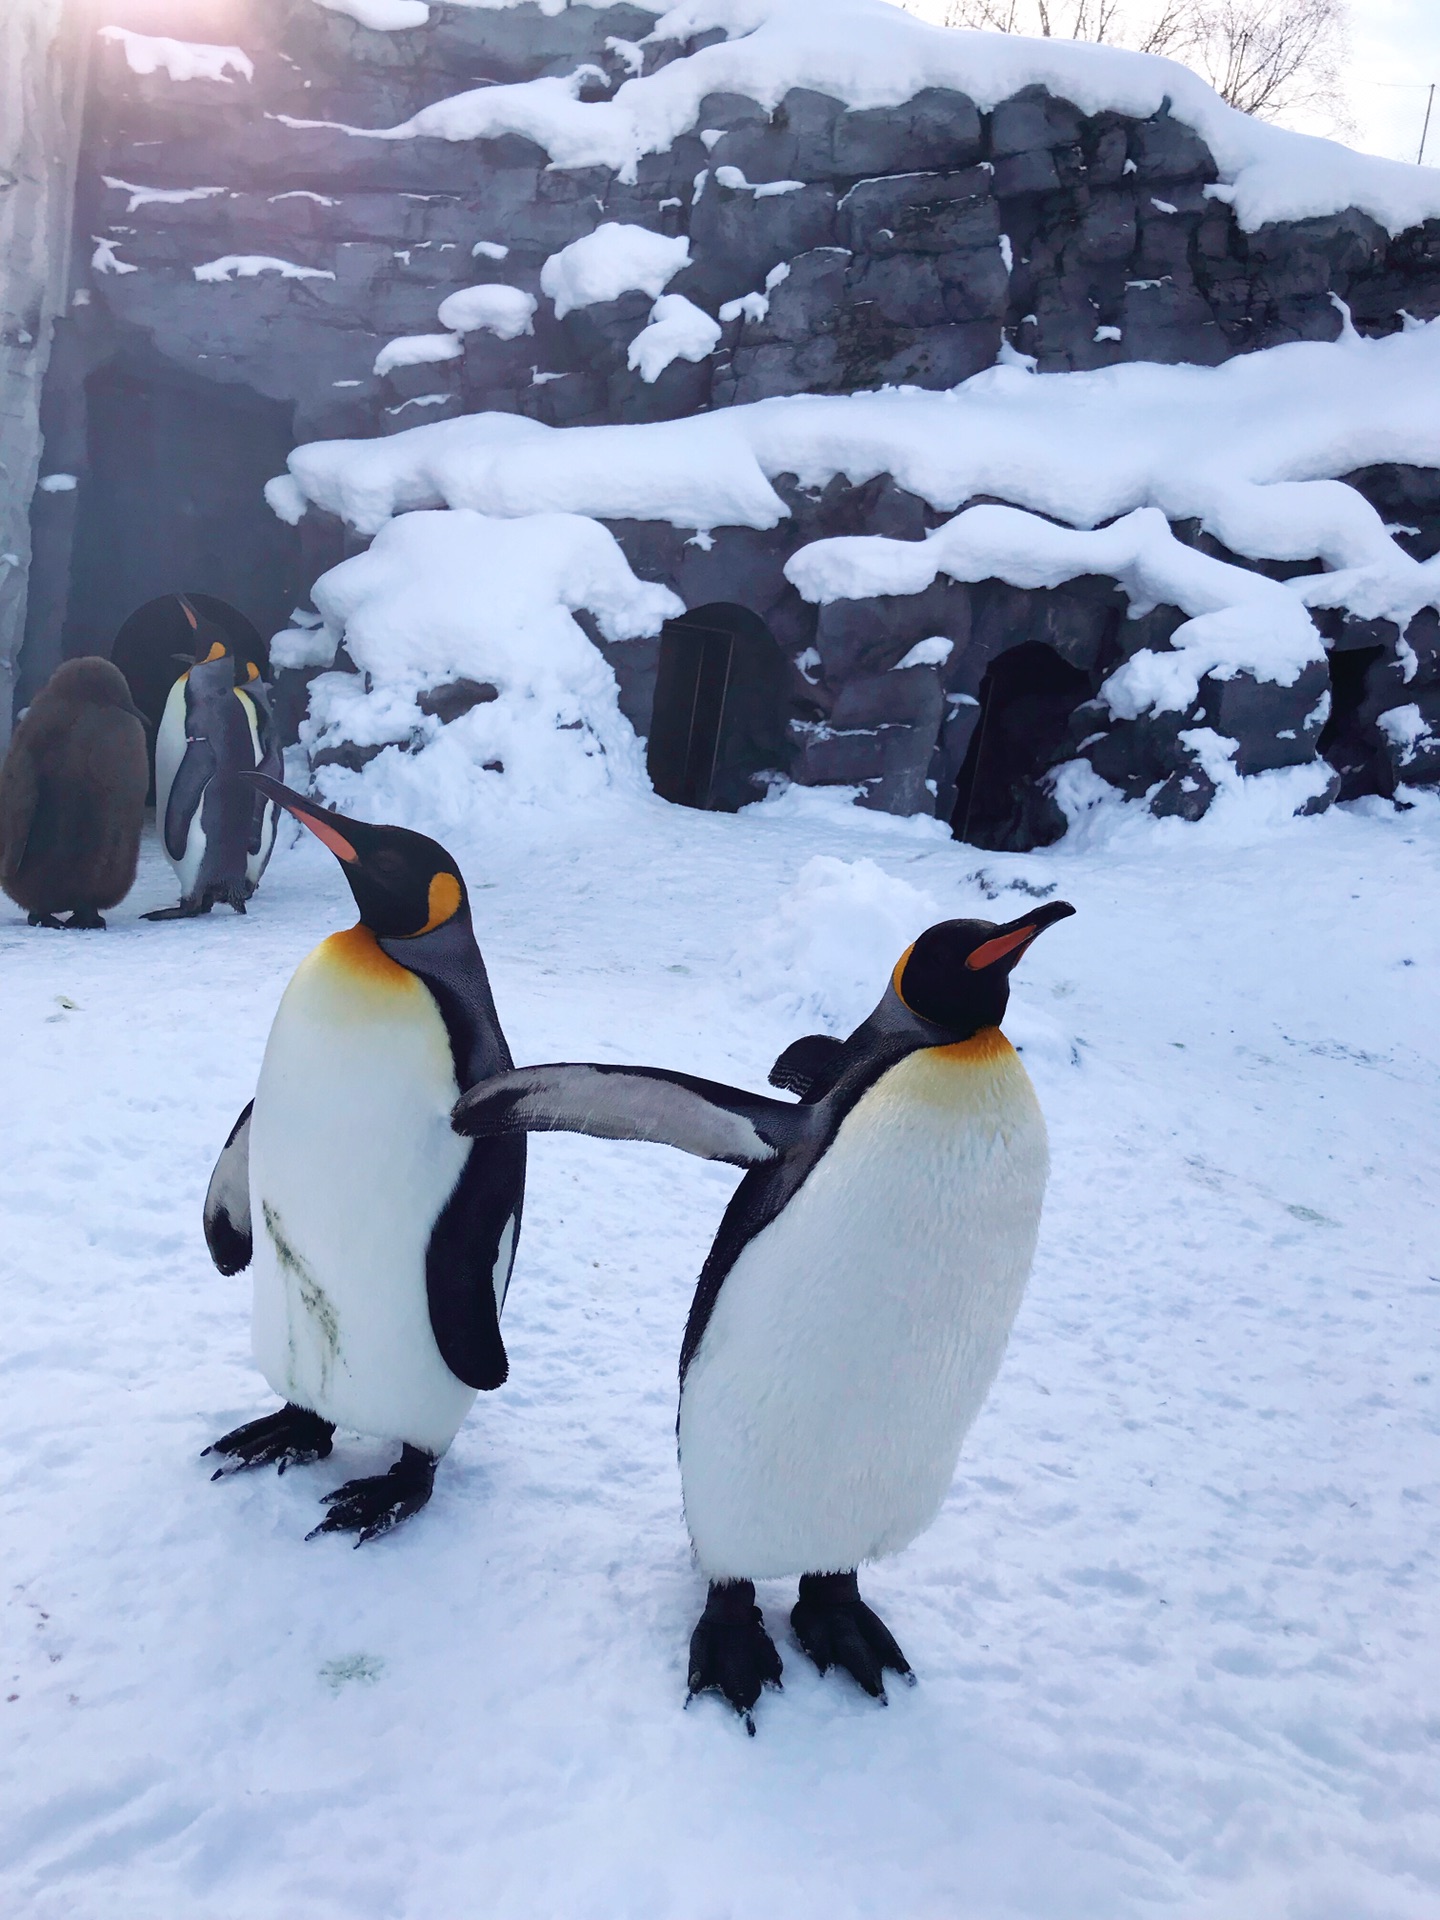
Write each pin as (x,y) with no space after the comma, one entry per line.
(718,720)
(1021,732)
(173,497)
(153,644)
(1350,739)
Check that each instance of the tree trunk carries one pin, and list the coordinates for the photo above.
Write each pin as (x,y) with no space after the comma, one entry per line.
(42,63)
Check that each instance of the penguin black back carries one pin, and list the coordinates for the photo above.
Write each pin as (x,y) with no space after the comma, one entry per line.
(72,796)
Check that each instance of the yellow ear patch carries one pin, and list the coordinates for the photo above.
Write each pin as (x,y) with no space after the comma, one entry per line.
(443,901)
(217,651)
(252,672)
(899,971)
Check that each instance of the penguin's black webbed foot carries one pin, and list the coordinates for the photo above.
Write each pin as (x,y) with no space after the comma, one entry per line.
(373,1506)
(44,920)
(293,1437)
(85,920)
(837,1629)
(730,1651)
(187,910)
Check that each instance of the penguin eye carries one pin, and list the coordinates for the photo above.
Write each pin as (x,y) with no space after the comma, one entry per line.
(389,863)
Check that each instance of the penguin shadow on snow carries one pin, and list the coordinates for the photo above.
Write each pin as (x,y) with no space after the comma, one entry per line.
(379,1242)
(855,1304)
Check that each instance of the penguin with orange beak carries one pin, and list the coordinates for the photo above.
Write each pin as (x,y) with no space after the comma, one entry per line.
(217,834)
(380,1243)
(856,1302)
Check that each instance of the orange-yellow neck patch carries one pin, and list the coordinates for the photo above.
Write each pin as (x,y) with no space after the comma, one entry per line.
(982,1049)
(443,901)
(357,953)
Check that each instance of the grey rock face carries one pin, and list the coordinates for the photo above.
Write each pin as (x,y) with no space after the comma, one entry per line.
(918,238)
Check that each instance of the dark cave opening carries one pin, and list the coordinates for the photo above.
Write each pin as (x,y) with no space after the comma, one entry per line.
(1021,731)
(718,723)
(173,501)
(1349,740)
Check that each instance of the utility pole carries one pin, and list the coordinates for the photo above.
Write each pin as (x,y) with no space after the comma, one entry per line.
(1429,103)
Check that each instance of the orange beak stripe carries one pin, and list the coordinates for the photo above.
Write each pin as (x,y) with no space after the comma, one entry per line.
(328,837)
(997,948)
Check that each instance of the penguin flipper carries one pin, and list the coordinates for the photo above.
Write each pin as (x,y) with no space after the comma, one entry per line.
(702,1117)
(809,1066)
(192,776)
(468,1262)
(227,1201)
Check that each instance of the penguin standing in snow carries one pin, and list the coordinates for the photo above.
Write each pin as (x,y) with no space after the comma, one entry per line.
(381,1244)
(855,1305)
(217,835)
(72,797)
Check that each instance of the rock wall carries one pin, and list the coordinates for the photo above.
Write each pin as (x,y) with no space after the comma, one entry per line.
(901,245)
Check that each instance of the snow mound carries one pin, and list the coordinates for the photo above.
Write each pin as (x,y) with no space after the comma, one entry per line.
(835,937)
(678,330)
(147,53)
(616,258)
(506,312)
(444,598)
(870,54)
(1250,449)
(246,266)
(417,350)
(381,16)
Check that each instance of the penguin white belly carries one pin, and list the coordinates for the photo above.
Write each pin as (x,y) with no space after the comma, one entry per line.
(169,752)
(351,1161)
(256,863)
(857,1335)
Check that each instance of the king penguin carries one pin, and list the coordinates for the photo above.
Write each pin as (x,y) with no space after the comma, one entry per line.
(856,1303)
(216,835)
(381,1244)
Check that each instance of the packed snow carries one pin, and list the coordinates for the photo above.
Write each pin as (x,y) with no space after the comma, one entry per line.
(1251,449)
(248,266)
(616,258)
(507,312)
(1174,1629)
(870,54)
(381,16)
(147,53)
(441,597)
(677,330)
(417,350)
(159,196)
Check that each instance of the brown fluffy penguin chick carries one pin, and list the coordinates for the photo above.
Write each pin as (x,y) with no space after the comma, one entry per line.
(72,797)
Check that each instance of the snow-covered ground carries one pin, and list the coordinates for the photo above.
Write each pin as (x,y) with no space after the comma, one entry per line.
(1174,1630)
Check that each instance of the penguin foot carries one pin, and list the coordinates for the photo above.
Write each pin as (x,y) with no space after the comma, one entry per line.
(375,1505)
(293,1437)
(730,1651)
(187,910)
(44,920)
(837,1629)
(85,920)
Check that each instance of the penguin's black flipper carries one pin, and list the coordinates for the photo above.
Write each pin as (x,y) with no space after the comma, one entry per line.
(187,789)
(381,1501)
(809,1066)
(730,1651)
(837,1629)
(701,1117)
(227,1201)
(468,1261)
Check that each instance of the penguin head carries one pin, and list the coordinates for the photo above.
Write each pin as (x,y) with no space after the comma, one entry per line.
(404,884)
(957,974)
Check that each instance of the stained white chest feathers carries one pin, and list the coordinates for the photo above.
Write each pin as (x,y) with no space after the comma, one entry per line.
(351,1161)
(857,1335)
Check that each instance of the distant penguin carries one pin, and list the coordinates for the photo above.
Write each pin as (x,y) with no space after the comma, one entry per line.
(381,1244)
(72,797)
(216,835)
(856,1303)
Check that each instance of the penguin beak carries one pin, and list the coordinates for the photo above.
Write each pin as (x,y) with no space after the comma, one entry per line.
(1009,942)
(327,827)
